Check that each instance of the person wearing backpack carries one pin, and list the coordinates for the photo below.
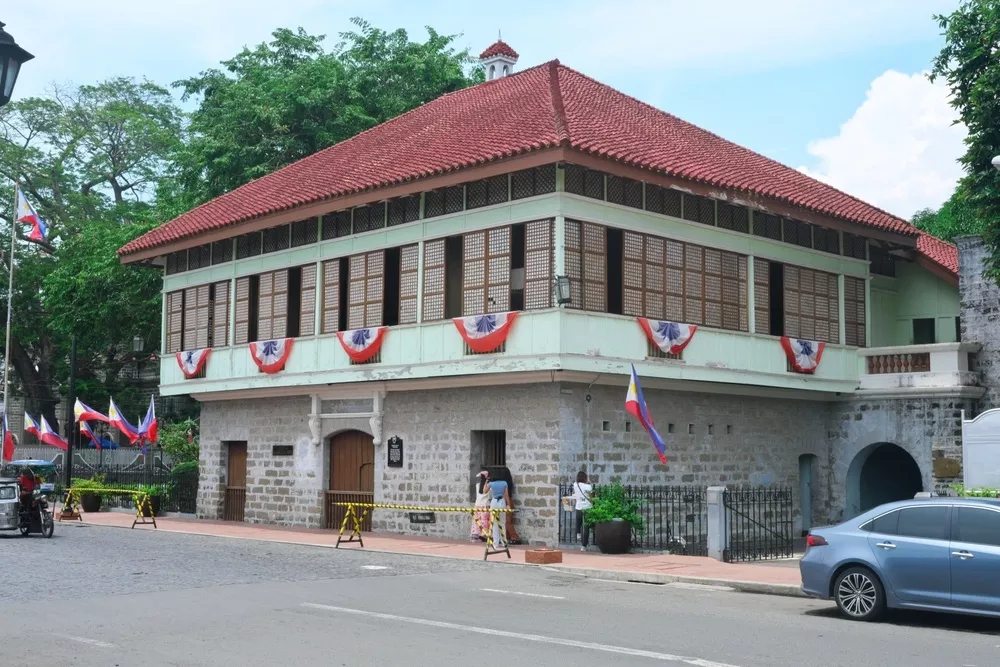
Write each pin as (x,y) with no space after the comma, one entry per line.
(582,494)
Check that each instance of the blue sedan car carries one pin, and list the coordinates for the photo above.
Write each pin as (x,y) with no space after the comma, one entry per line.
(933,554)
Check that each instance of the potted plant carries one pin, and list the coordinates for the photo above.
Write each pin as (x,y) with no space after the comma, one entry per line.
(155,495)
(90,493)
(614,516)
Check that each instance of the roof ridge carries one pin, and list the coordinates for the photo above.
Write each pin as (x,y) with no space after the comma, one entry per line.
(733,143)
(558,107)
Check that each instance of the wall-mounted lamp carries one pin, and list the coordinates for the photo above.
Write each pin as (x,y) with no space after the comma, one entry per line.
(563,292)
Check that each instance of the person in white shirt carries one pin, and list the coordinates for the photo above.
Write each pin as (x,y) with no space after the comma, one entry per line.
(582,492)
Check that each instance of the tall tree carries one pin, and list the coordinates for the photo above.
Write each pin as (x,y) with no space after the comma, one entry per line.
(956,217)
(283,100)
(969,62)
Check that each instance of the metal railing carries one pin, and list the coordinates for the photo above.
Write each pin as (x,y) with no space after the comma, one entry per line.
(234,504)
(758,520)
(675,517)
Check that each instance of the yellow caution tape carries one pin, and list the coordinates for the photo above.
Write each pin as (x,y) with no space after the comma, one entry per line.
(417,508)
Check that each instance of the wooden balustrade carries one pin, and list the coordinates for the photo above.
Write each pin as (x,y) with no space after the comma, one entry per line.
(883,364)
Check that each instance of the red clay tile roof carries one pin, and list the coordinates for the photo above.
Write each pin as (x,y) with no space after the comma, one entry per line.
(498,48)
(940,252)
(545,106)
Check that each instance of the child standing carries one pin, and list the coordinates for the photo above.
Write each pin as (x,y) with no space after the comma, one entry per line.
(582,492)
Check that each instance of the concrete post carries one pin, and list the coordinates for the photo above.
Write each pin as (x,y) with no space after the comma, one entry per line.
(718,531)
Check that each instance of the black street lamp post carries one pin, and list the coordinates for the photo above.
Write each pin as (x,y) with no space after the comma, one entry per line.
(12,57)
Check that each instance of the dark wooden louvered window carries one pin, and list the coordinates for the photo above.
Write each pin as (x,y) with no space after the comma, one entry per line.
(248,245)
(882,263)
(586,265)
(533,182)
(699,209)
(826,240)
(434,276)
(486,271)
(642,275)
(403,210)
(734,218)
(705,286)
(454,199)
(272,305)
(241,324)
(304,232)
(762,296)
(854,312)
(220,314)
(433,203)
(855,246)
(331,296)
(307,300)
(812,304)
(369,218)
(365,290)
(276,238)
(336,225)
(798,233)
(222,251)
(197,307)
(409,257)
(199,257)
(175,321)
(624,191)
(664,201)
(487,192)
(539,251)
(767,225)
(583,181)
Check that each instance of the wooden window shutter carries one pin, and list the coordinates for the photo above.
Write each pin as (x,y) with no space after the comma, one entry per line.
(474,273)
(433,286)
(265,307)
(497,270)
(673,281)
(279,315)
(694,285)
(220,315)
(175,321)
(331,296)
(241,323)
(854,312)
(574,263)
(365,290)
(793,324)
(812,309)
(594,253)
(632,273)
(408,267)
(762,296)
(538,259)
(203,315)
(653,279)
(307,306)
(190,319)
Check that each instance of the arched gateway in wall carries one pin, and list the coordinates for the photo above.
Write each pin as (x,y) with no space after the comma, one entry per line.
(351,477)
(881,473)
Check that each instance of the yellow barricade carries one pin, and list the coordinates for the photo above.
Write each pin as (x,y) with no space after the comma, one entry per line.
(357,512)
(143,505)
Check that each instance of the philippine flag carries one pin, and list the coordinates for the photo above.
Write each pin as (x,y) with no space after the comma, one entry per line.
(26,214)
(670,337)
(635,405)
(97,441)
(148,429)
(803,355)
(117,419)
(51,438)
(485,333)
(192,361)
(271,355)
(31,426)
(362,344)
(8,440)
(84,412)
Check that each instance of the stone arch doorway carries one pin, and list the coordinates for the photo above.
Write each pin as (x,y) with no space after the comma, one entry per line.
(351,477)
(881,473)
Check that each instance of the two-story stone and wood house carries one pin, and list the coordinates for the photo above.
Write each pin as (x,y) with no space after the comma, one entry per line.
(550,195)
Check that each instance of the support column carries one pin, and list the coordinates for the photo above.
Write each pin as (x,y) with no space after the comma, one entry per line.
(318,306)
(559,261)
(232,312)
(163,324)
(718,530)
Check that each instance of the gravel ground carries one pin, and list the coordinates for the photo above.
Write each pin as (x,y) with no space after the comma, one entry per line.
(82,561)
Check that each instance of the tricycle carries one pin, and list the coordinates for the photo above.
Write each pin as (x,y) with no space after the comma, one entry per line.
(30,515)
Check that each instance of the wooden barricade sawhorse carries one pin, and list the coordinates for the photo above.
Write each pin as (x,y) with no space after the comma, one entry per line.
(143,505)
(356,512)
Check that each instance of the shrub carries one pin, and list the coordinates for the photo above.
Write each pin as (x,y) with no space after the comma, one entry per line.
(612,502)
(979,492)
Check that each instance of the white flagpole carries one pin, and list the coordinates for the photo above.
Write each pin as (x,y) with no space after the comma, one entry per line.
(10,301)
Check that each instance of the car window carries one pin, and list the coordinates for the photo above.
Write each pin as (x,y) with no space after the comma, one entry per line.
(926,522)
(8,492)
(884,525)
(977,526)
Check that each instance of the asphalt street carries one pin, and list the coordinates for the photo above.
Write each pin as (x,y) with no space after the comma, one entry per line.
(106,596)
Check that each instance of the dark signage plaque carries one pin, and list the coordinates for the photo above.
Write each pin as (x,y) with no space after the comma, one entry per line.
(282,450)
(422,517)
(395,452)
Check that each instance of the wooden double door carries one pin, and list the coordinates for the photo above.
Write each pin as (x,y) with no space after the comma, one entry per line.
(352,476)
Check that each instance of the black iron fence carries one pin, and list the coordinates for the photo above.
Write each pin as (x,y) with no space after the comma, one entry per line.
(759,523)
(675,517)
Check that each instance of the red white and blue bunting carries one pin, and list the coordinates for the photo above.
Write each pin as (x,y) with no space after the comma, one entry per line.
(192,361)
(803,355)
(271,355)
(670,337)
(485,333)
(362,344)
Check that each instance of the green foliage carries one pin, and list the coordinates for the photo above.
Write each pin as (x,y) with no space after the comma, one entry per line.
(180,441)
(94,484)
(153,490)
(612,502)
(979,492)
(956,217)
(969,62)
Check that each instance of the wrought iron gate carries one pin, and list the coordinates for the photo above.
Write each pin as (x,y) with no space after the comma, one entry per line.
(759,523)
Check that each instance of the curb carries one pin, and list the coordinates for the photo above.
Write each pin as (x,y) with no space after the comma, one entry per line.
(761,588)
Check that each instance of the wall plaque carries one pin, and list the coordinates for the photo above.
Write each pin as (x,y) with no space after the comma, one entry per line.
(282,450)
(422,517)
(395,452)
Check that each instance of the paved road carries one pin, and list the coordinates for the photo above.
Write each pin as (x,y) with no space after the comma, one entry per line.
(105,596)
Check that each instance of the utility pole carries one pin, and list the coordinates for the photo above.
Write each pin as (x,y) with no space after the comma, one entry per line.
(70,418)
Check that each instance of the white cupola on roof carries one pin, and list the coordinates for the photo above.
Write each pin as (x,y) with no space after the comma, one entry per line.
(498,59)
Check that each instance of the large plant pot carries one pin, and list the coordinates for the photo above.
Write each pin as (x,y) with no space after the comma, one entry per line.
(613,537)
(91,502)
(153,508)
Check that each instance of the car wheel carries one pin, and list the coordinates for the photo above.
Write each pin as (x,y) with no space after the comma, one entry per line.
(859,594)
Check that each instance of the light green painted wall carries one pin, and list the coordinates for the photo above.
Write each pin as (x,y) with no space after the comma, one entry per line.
(914,293)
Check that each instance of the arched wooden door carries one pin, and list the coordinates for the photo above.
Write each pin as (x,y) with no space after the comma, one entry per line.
(352,476)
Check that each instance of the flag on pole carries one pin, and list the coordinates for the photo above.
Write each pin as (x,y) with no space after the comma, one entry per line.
(31,426)
(99,442)
(86,413)
(148,429)
(26,214)
(635,405)
(117,419)
(51,438)
(8,440)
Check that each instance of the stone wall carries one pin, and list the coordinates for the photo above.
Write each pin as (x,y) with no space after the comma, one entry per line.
(980,317)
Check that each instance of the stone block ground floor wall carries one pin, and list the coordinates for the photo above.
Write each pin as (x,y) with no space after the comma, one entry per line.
(546,433)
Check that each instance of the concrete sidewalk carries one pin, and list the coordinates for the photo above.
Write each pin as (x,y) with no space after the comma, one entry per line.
(641,568)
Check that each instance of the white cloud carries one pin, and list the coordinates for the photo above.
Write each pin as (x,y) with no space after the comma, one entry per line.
(899,150)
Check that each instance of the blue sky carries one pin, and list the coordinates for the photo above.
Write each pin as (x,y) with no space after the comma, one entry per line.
(828,87)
